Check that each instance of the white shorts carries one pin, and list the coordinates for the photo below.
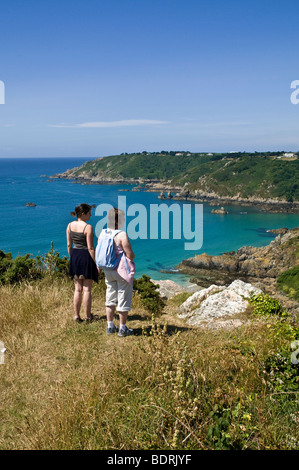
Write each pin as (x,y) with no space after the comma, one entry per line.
(119,292)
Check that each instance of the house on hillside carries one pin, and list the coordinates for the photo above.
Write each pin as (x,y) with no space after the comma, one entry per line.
(289,155)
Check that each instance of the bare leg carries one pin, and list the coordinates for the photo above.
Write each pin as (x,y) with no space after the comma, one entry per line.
(87,283)
(110,311)
(123,316)
(78,297)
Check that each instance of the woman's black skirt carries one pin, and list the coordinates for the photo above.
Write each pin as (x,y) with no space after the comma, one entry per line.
(82,266)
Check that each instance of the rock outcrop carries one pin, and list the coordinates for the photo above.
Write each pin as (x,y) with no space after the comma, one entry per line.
(219,307)
(248,263)
(258,266)
(221,211)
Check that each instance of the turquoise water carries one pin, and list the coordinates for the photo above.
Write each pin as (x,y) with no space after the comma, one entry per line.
(31,229)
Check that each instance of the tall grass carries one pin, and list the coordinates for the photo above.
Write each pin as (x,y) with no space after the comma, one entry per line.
(70,386)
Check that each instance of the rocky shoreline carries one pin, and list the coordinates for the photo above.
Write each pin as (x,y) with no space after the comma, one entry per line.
(259,266)
(269,205)
(173,192)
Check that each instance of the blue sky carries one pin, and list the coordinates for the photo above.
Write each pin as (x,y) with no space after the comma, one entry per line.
(91,78)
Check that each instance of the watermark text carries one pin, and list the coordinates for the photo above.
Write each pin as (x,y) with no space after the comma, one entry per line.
(295,94)
(295,354)
(2,92)
(2,351)
(159,221)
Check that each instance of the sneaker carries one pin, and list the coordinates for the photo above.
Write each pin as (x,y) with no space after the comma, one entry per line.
(124,331)
(110,331)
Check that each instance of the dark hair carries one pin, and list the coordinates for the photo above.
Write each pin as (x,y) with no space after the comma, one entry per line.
(81,209)
(116,217)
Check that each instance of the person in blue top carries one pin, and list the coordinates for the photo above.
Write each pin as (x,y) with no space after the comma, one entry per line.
(80,245)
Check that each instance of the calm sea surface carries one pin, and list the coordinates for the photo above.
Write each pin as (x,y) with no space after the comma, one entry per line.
(31,229)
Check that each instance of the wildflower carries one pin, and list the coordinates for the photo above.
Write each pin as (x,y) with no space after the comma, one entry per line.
(247,416)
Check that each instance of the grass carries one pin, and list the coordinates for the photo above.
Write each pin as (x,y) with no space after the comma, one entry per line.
(70,386)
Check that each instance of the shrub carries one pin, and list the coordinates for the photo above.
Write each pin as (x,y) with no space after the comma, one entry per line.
(264,304)
(28,268)
(280,373)
(52,264)
(149,295)
(289,282)
(16,270)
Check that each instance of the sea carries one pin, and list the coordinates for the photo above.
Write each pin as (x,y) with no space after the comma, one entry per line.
(32,229)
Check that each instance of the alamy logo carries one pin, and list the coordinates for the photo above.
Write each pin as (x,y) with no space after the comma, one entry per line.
(2,351)
(2,92)
(295,94)
(155,222)
(295,354)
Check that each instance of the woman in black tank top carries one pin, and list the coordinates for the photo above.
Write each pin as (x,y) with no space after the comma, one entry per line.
(81,250)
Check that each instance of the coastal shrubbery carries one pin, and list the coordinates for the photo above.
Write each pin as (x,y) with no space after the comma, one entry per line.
(28,268)
(16,270)
(51,265)
(149,295)
(288,282)
(264,304)
(282,374)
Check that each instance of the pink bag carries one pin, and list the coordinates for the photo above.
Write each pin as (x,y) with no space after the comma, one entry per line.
(126,269)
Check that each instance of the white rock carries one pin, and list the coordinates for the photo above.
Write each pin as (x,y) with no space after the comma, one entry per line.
(244,289)
(194,300)
(218,306)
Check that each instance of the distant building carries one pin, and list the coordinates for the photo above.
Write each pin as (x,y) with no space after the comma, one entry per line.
(289,155)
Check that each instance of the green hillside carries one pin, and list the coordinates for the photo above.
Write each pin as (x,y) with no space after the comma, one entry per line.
(264,175)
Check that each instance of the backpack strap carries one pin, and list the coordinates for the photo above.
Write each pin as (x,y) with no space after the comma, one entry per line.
(116,232)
